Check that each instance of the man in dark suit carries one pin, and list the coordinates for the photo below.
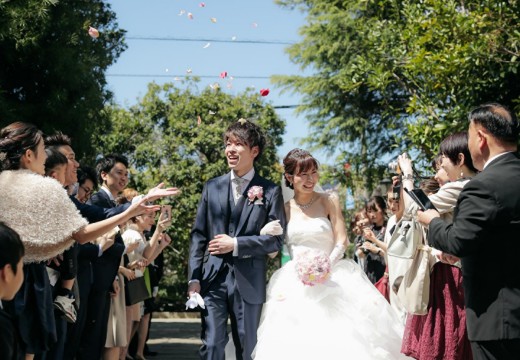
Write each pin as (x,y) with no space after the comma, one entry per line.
(484,234)
(227,264)
(112,172)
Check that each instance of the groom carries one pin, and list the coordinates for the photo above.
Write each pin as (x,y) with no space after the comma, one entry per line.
(227,265)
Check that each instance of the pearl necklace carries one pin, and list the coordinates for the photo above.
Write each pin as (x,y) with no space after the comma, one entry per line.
(305,206)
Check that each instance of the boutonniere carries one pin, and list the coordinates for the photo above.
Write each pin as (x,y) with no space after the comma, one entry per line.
(255,195)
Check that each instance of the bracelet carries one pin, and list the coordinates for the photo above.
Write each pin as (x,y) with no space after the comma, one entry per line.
(407,177)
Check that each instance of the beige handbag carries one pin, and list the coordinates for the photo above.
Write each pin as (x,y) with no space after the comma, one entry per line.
(408,250)
(414,290)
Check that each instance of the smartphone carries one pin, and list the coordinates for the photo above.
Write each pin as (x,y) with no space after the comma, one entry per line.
(166,212)
(421,199)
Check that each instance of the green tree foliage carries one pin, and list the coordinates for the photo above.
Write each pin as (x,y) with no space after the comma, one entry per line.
(51,70)
(175,136)
(392,74)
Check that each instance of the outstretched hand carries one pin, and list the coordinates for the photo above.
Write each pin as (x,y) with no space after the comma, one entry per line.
(158,192)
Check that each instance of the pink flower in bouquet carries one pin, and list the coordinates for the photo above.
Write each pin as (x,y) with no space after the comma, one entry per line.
(256,194)
(313,267)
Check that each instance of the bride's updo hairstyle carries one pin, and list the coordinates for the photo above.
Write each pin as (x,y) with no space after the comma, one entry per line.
(298,161)
(15,140)
(247,132)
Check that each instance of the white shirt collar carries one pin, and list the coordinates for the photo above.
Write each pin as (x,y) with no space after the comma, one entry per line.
(248,177)
(493,158)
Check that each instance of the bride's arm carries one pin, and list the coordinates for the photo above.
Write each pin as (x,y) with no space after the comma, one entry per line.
(338,227)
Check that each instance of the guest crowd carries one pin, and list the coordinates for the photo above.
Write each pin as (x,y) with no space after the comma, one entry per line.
(68,251)
(79,247)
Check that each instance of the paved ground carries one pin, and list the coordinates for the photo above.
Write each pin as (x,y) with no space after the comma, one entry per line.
(175,338)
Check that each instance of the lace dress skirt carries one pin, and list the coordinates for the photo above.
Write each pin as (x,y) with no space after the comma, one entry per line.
(441,333)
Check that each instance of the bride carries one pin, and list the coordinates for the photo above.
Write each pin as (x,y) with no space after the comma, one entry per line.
(342,317)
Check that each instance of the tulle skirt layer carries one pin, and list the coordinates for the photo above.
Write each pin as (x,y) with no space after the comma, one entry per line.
(345,318)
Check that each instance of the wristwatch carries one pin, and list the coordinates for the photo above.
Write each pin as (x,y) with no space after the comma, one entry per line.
(407,177)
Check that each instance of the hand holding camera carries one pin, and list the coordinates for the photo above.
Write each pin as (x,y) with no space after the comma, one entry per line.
(165,220)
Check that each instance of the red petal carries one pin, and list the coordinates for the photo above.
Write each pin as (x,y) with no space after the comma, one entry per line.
(264,92)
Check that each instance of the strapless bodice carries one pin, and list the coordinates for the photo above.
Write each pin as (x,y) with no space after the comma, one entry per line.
(315,233)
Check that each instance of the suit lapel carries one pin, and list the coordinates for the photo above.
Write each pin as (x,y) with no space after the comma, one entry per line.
(223,192)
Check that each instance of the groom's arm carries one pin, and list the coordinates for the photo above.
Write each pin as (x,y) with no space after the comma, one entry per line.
(258,245)
(199,238)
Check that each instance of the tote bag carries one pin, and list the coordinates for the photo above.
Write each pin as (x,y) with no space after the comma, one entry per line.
(414,291)
(136,291)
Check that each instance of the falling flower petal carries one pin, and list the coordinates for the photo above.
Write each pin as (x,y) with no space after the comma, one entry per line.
(255,25)
(182,12)
(212,112)
(229,85)
(190,16)
(202,4)
(264,92)
(231,78)
(233,38)
(206,46)
(242,121)
(199,120)
(214,86)
(177,78)
(223,74)
(189,71)
(93,32)
(213,20)
(166,70)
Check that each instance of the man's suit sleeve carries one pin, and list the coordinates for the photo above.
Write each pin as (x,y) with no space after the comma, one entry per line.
(258,245)
(476,210)
(199,238)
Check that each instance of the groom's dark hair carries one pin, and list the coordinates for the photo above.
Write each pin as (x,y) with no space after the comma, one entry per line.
(249,133)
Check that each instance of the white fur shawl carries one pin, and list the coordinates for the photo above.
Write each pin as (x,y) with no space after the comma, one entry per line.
(40,211)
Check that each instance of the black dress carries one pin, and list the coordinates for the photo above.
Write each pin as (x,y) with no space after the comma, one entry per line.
(9,344)
(375,264)
(33,310)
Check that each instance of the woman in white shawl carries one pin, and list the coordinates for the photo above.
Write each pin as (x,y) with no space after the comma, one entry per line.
(39,209)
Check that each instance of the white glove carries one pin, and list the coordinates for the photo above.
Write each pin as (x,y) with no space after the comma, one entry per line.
(337,254)
(194,301)
(272,228)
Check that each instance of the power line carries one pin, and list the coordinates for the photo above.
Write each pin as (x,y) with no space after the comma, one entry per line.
(184,76)
(244,41)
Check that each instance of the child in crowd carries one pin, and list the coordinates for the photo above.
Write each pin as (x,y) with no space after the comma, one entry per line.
(11,278)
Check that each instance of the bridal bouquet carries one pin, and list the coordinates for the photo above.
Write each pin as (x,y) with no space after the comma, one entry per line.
(313,267)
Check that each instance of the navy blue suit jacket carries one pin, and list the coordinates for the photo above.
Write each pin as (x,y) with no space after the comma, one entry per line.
(212,219)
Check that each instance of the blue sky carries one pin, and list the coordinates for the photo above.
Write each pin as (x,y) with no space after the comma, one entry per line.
(229,20)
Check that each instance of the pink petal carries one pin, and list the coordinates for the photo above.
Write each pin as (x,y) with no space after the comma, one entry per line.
(190,16)
(93,32)
(223,74)
(202,4)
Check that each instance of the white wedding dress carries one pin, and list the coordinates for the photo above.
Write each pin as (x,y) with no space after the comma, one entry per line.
(344,318)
